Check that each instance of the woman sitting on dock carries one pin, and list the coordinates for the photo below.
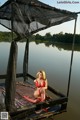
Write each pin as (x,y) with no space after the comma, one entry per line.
(41,86)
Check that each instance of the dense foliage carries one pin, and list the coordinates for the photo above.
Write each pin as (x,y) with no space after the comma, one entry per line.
(59,38)
(6,36)
(55,38)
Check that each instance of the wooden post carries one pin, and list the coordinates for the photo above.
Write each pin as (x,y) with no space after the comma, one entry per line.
(68,88)
(25,61)
(10,85)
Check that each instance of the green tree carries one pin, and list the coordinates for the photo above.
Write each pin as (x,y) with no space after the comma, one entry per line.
(48,36)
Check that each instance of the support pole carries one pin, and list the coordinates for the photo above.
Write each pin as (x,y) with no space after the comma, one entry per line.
(25,61)
(10,85)
(68,88)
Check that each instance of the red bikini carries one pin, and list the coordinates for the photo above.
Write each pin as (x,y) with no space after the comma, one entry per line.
(42,98)
(42,84)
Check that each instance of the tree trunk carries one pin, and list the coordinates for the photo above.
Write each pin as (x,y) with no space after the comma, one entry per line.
(10,85)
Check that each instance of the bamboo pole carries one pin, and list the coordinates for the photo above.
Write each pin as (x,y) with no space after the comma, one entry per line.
(70,71)
(11,78)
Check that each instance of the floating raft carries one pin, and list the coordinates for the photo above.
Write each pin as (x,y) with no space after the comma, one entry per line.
(26,108)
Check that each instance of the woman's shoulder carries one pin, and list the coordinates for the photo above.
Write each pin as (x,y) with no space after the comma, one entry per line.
(35,80)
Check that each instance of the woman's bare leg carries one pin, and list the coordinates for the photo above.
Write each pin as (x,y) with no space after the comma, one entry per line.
(43,95)
(36,94)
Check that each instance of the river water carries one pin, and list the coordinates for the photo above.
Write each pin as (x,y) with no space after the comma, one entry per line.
(55,60)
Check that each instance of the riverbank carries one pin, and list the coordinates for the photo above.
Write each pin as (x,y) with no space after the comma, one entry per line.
(55,38)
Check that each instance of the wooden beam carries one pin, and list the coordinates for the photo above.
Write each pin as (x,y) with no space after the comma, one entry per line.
(31,110)
(25,61)
(53,102)
(11,78)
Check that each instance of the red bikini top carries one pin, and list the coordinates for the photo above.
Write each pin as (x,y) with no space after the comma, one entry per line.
(42,84)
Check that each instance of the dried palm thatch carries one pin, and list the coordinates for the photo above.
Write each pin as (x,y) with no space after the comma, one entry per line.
(26,17)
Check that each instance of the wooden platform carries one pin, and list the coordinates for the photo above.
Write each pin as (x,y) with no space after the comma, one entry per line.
(24,108)
(22,90)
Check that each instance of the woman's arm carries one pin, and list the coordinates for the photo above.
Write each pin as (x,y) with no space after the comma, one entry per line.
(46,85)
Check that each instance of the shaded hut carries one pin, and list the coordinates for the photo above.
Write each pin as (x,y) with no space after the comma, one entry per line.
(26,17)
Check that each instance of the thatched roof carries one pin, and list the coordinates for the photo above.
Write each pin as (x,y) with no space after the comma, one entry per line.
(26,17)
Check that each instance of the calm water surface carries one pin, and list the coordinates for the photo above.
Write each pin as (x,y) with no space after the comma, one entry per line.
(55,60)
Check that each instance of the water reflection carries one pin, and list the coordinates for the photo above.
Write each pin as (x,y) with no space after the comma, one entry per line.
(4,55)
(55,60)
(60,46)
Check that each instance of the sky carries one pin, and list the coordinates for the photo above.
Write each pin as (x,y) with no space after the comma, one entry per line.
(67,27)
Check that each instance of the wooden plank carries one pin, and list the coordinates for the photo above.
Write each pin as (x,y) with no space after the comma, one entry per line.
(3,76)
(17,76)
(28,112)
(55,92)
(23,113)
(54,102)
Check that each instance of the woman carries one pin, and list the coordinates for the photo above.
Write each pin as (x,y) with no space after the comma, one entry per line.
(41,86)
